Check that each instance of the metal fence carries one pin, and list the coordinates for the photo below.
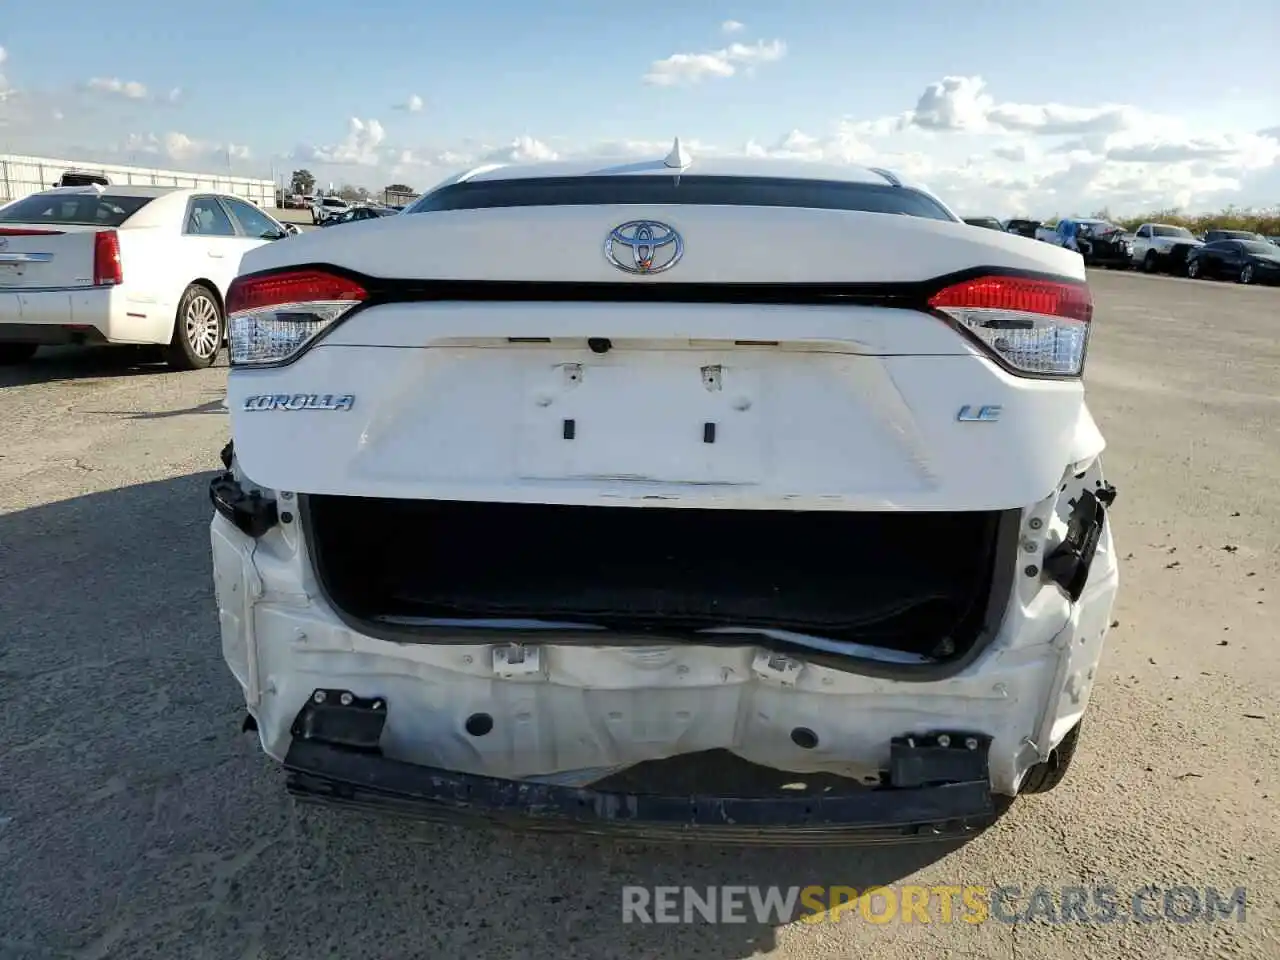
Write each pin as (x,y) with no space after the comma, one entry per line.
(21,176)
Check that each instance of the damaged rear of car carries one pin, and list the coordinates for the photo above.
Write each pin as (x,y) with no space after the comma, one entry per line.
(1103,244)
(571,475)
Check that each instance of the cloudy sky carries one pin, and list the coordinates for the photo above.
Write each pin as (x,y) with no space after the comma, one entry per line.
(1029,107)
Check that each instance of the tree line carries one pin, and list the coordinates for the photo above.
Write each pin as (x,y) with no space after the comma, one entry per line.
(303,182)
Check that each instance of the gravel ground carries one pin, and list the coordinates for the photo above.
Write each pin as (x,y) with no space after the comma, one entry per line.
(135,820)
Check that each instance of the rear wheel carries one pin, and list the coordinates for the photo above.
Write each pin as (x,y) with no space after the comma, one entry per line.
(197,330)
(1046,775)
(14,353)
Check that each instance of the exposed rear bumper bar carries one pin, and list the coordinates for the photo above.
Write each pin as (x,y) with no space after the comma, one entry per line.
(932,792)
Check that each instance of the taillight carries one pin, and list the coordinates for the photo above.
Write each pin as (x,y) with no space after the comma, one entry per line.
(273,316)
(1033,326)
(107,268)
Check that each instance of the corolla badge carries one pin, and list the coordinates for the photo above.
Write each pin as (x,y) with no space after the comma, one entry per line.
(644,247)
(299,401)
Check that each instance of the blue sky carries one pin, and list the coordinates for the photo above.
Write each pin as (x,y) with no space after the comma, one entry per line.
(325,84)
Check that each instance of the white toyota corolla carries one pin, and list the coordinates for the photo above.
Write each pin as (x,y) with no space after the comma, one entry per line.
(573,471)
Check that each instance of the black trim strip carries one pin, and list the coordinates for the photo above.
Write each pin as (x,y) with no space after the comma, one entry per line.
(906,295)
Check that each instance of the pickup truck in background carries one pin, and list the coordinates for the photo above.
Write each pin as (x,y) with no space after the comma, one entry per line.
(1163,247)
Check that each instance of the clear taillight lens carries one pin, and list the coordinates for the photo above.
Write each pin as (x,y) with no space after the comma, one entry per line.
(273,316)
(1038,327)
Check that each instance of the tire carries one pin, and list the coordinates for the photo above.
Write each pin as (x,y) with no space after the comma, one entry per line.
(1246,273)
(1193,267)
(197,330)
(1044,776)
(1149,262)
(12,354)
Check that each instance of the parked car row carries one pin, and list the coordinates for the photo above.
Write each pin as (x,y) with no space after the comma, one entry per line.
(1240,255)
(356,214)
(124,265)
(329,210)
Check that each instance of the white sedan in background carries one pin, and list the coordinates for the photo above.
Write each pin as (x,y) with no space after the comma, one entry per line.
(124,265)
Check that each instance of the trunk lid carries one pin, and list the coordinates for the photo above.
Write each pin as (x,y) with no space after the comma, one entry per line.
(721,245)
(742,377)
(35,256)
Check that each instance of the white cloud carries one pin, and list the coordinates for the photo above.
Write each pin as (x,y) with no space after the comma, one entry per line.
(522,150)
(685,68)
(733,26)
(1013,152)
(414,104)
(843,145)
(360,147)
(983,155)
(961,104)
(1039,176)
(1237,152)
(175,147)
(114,86)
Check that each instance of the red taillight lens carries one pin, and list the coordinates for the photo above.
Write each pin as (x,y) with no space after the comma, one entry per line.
(1020,295)
(296,286)
(107,268)
(273,317)
(1033,326)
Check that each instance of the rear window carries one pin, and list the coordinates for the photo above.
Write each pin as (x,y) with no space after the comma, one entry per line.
(1260,247)
(1161,231)
(82,180)
(699,191)
(75,208)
